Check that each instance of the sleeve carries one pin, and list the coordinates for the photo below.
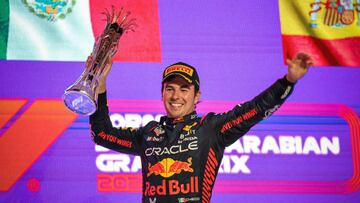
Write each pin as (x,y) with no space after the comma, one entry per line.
(235,123)
(125,140)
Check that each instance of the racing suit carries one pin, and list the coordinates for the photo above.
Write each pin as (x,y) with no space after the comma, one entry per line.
(181,157)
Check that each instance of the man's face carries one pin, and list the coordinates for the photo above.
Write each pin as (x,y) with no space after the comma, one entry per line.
(179,97)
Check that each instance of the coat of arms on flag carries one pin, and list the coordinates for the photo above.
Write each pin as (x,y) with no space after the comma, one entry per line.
(65,30)
(337,13)
(51,10)
(328,30)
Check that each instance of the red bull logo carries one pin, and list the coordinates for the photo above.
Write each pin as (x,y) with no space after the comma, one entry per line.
(173,187)
(168,167)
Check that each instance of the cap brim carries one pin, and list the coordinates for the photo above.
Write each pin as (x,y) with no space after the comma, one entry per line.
(178,74)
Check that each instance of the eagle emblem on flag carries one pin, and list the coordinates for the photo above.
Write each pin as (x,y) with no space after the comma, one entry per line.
(52,10)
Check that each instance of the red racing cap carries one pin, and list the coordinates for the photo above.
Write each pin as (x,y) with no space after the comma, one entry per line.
(184,70)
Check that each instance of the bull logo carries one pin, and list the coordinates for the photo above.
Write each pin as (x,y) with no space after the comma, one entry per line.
(187,128)
(168,167)
(338,13)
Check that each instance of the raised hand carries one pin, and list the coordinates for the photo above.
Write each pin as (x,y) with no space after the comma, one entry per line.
(102,80)
(298,66)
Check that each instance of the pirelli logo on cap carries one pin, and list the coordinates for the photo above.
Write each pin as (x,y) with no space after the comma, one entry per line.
(179,68)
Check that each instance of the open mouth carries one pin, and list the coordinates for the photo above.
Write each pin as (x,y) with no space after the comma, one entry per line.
(176,105)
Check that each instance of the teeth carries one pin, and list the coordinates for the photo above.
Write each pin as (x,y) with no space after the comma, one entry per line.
(176,105)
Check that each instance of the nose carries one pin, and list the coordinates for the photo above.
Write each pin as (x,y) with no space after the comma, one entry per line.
(175,95)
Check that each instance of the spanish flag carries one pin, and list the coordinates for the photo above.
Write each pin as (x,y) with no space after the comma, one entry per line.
(65,30)
(328,30)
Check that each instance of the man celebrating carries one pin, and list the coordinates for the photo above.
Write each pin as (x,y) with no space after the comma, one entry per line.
(182,153)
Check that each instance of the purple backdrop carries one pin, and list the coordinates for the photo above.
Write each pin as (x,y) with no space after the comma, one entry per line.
(236,47)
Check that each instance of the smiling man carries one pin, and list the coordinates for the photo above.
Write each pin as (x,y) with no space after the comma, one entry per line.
(180,90)
(182,153)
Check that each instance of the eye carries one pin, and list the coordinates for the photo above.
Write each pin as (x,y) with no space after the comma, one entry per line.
(168,88)
(184,89)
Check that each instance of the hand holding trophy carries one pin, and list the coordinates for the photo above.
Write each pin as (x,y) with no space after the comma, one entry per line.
(81,97)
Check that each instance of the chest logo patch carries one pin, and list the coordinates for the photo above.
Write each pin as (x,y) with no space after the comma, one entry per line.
(187,128)
(168,167)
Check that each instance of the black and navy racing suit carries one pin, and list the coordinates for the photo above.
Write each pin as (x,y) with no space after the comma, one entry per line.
(180,158)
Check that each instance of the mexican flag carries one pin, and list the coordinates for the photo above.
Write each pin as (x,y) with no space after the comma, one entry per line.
(329,30)
(65,30)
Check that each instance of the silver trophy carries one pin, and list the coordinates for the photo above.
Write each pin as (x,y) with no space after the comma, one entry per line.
(81,97)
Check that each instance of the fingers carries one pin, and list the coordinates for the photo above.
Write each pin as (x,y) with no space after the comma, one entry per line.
(308,64)
(304,60)
(109,61)
(89,59)
(302,56)
(108,65)
(288,61)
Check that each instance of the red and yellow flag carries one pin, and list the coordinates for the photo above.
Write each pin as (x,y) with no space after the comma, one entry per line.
(328,30)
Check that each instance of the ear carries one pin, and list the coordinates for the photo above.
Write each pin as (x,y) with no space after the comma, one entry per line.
(197,97)
(162,92)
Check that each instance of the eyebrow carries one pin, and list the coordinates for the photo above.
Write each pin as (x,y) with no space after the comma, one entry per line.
(185,86)
(182,86)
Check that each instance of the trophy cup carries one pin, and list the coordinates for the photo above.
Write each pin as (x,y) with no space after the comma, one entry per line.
(81,97)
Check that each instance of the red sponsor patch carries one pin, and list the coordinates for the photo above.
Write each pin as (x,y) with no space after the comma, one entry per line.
(112,138)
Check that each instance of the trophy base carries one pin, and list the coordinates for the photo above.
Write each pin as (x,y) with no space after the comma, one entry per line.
(79,102)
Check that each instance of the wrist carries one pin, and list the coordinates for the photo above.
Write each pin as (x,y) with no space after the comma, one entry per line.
(290,79)
(101,87)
